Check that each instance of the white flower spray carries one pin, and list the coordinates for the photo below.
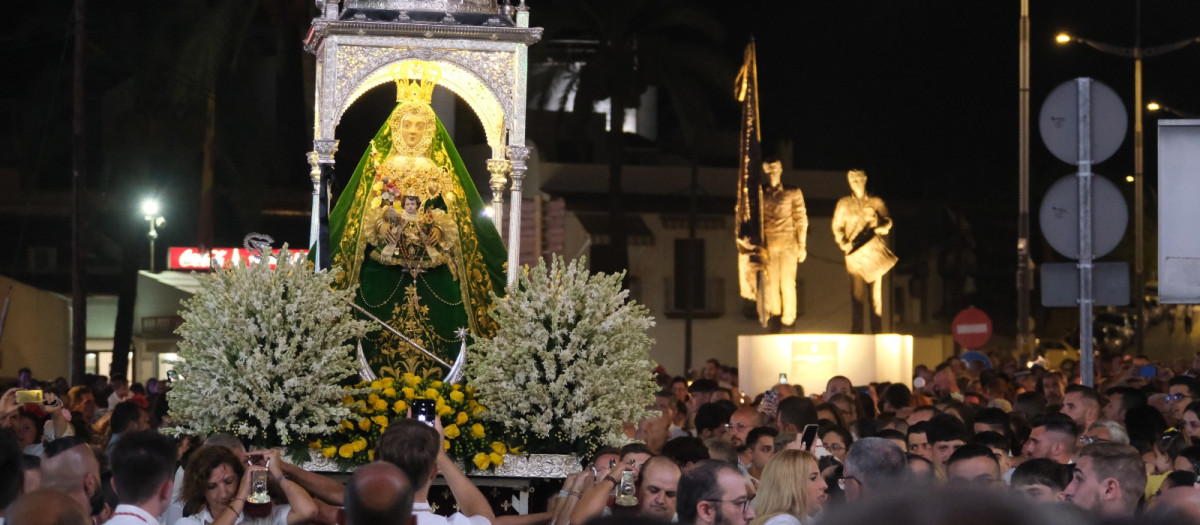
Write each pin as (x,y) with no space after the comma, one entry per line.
(264,352)
(570,360)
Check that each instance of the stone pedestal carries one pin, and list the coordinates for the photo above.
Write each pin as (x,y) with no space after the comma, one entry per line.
(810,360)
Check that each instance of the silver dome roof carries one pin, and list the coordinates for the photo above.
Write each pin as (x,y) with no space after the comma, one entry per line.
(443,6)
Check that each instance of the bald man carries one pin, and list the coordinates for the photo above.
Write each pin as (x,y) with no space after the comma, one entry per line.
(47,507)
(69,466)
(741,423)
(378,494)
(1180,503)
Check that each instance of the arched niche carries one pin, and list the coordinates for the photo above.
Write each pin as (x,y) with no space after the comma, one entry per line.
(493,114)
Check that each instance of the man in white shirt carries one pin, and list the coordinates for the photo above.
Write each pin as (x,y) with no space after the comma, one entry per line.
(416,448)
(70,466)
(378,494)
(47,507)
(120,392)
(143,466)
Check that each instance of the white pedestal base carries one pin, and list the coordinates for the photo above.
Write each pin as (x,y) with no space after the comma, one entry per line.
(810,360)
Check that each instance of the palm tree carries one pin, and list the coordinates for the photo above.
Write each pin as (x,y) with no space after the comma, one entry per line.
(197,44)
(671,44)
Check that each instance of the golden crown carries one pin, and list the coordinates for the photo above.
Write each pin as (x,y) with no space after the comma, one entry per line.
(415,81)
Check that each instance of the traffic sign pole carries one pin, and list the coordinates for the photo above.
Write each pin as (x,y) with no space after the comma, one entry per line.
(1084,98)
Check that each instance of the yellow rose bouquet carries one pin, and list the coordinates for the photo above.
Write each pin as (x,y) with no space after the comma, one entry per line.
(469,439)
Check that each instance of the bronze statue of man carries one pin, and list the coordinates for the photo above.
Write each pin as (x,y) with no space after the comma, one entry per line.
(785,228)
(859,223)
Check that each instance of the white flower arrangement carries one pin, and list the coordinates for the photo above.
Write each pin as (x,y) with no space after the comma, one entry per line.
(569,362)
(264,352)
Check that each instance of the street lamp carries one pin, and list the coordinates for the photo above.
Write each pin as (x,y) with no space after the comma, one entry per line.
(1137,52)
(151,212)
(1155,107)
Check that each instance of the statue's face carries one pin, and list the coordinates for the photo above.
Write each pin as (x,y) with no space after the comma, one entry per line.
(412,128)
(774,171)
(858,182)
(411,204)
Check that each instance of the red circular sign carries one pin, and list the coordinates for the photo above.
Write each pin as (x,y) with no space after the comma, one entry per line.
(971,328)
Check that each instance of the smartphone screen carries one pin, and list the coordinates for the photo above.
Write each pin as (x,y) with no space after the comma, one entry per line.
(424,411)
(29,396)
(808,437)
(1149,371)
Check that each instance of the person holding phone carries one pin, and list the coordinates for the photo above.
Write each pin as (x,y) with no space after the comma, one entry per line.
(416,448)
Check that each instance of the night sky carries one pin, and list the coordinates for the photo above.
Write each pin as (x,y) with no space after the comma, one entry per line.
(924,96)
(921,94)
(925,93)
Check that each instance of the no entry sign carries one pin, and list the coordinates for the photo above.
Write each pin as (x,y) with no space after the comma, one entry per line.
(971,328)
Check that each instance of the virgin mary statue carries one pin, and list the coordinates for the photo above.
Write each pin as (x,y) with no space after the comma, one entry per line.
(409,229)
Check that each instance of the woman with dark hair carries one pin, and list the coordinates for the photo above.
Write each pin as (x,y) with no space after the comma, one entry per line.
(29,429)
(897,396)
(1189,460)
(837,441)
(1167,449)
(829,412)
(216,487)
(1145,425)
(1191,420)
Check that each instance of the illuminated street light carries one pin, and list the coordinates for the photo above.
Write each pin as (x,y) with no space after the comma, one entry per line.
(1156,107)
(1137,52)
(150,212)
(1129,178)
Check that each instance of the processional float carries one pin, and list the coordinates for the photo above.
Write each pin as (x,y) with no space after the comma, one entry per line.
(480,51)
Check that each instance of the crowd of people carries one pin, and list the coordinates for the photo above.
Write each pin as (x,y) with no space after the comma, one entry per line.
(969,442)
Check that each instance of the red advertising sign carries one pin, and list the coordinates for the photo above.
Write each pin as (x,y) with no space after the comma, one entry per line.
(196,260)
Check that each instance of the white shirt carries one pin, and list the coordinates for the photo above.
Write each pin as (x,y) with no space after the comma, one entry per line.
(131,515)
(175,511)
(425,516)
(783,519)
(278,516)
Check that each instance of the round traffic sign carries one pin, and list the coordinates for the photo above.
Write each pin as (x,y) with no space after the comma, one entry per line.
(1058,122)
(971,328)
(1059,216)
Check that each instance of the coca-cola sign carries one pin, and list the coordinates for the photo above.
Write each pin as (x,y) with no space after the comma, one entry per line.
(193,259)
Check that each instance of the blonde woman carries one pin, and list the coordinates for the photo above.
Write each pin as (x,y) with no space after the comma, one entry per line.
(791,490)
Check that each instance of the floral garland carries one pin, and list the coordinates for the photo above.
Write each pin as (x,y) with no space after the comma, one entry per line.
(569,362)
(263,353)
(373,404)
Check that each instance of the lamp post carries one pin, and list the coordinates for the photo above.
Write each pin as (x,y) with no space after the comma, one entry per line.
(1024,276)
(1137,52)
(1155,106)
(151,212)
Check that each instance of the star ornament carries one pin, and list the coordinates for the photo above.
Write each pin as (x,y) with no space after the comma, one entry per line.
(461,333)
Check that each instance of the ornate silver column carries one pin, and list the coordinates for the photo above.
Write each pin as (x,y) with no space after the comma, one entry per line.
(321,160)
(498,168)
(518,154)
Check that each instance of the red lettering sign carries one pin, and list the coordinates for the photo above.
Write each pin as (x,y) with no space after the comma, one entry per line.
(196,260)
